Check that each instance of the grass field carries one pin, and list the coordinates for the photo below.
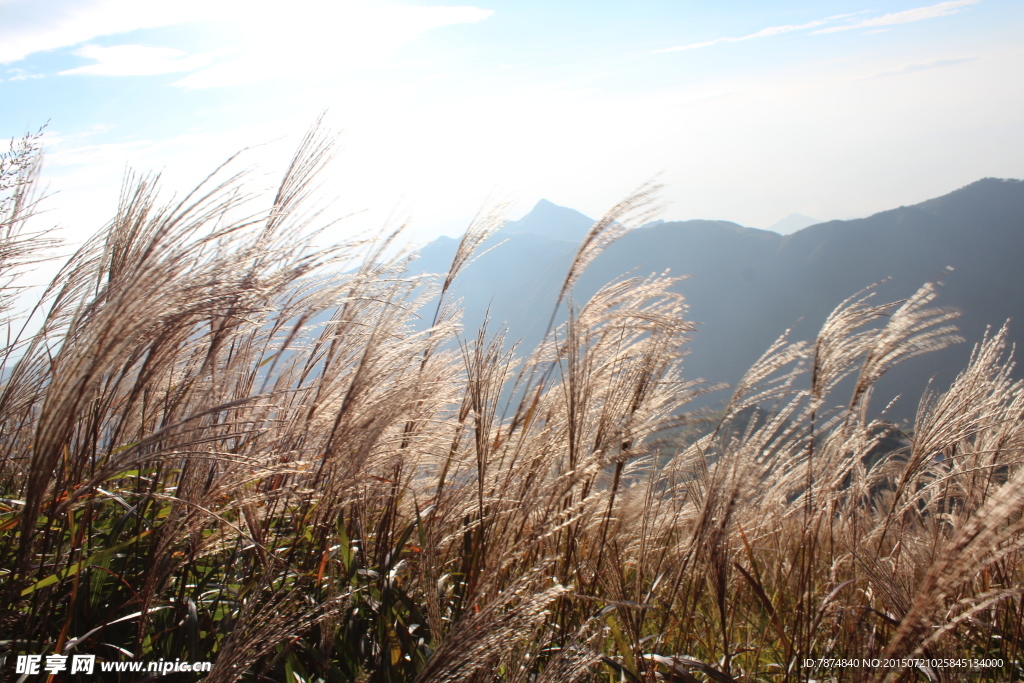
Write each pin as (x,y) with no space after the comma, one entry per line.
(190,469)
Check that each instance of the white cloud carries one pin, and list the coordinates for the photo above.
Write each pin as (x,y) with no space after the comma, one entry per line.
(135,60)
(770,31)
(31,26)
(308,36)
(22,75)
(942,9)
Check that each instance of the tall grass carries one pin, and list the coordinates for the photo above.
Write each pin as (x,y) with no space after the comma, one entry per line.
(193,467)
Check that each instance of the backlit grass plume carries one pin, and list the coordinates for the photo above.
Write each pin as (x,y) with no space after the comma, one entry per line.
(227,443)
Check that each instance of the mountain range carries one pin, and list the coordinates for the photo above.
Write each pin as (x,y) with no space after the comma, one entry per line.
(748,286)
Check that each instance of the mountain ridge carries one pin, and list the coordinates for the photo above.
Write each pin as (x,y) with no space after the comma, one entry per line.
(747,286)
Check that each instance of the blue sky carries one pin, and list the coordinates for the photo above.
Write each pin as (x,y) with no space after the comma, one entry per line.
(749,110)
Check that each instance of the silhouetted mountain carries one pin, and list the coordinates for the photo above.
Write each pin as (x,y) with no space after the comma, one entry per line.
(792,223)
(550,220)
(748,286)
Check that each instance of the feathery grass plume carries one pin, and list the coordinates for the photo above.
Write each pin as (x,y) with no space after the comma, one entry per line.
(481,641)
(912,330)
(19,176)
(975,404)
(982,400)
(19,248)
(485,223)
(268,618)
(632,211)
(228,443)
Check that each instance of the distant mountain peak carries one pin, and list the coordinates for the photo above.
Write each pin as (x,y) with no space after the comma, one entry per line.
(553,221)
(792,223)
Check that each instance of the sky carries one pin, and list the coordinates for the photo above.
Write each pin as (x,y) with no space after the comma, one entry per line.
(745,110)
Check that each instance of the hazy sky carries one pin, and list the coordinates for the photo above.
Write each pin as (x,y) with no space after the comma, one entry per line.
(750,110)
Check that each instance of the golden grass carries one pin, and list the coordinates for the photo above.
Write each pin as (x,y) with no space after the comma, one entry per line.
(190,468)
